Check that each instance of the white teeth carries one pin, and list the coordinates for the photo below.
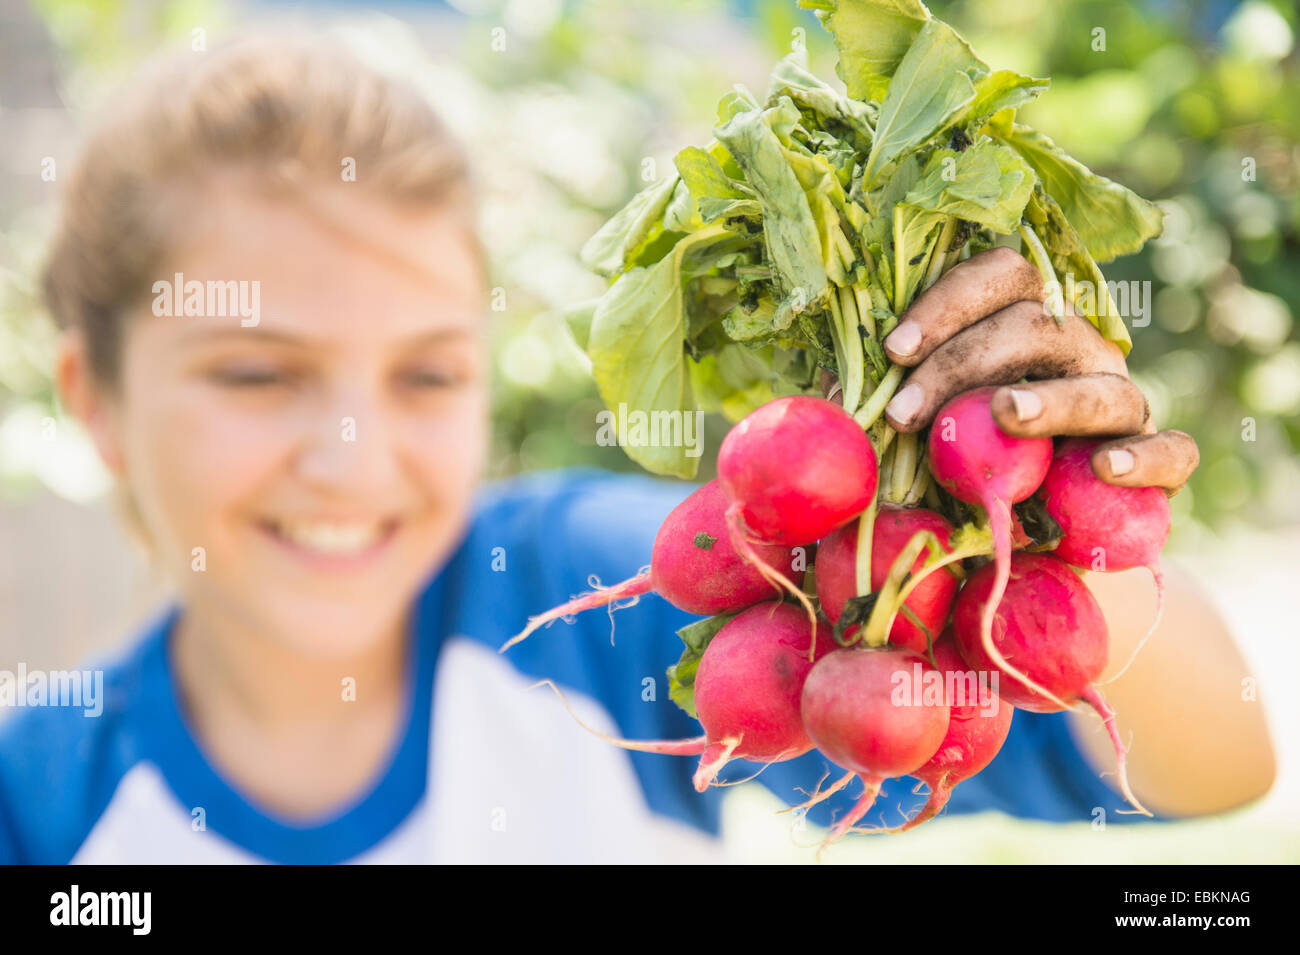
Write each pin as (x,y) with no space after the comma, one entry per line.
(332,539)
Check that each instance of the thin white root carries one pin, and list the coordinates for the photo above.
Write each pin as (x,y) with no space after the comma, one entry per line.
(1158,576)
(782,584)
(693,746)
(818,795)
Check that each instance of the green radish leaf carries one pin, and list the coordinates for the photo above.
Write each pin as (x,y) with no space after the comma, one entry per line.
(791,235)
(739,215)
(1075,268)
(746,323)
(704,175)
(919,233)
(577,318)
(682,214)
(826,199)
(1110,219)
(1002,90)
(872,36)
(615,246)
(681,675)
(987,183)
(733,381)
(636,347)
(791,78)
(934,83)
(739,100)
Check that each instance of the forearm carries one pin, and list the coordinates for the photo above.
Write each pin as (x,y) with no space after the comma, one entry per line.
(1199,737)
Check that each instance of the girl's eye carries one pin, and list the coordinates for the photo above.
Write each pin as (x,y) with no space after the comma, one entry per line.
(428,378)
(250,377)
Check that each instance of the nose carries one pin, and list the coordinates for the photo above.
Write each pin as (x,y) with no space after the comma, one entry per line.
(348,448)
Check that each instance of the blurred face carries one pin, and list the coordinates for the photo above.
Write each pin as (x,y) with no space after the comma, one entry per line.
(324,458)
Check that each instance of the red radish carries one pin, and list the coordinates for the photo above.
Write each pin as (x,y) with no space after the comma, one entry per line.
(694,566)
(977,462)
(862,709)
(794,470)
(749,684)
(974,734)
(1050,624)
(1106,528)
(894,526)
(797,468)
(748,689)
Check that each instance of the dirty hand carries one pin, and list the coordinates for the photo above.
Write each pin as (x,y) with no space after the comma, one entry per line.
(984,323)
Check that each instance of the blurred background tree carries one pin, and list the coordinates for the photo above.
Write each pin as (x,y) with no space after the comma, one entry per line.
(568,107)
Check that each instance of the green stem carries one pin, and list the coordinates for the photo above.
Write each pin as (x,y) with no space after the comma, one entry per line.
(920,485)
(844,248)
(932,495)
(930,567)
(876,632)
(939,258)
(900,260)
(862,567)
(1041,259)
(959,254)
(854,354)
(886,469)
(878,297)
(837,341)
(904,468)
(875,405)
(863,298)
(881,434)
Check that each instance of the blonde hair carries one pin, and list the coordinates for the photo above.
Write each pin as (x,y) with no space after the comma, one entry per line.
(283,108)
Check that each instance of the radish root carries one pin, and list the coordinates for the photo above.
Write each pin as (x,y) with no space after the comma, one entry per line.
(1158,576)
(1094,699)
(871,789)
(666,747)
(713,758)
(636,586)
(819,795)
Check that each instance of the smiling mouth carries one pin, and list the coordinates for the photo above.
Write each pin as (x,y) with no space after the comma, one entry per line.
(332,543)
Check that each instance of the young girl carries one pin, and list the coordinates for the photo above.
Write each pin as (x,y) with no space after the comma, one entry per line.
(305,469)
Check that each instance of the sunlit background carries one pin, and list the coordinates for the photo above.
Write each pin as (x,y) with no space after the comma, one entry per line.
(567,108)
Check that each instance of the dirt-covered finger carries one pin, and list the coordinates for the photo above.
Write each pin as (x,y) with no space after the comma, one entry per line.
(1020,341)
(983,284)
(1089,405)
(1165,459)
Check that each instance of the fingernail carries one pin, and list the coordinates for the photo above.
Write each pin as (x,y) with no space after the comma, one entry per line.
(905,339)
(1028,405)
(1121,461)
(905,404)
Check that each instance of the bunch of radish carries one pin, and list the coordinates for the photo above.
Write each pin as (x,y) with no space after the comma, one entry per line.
(905,649)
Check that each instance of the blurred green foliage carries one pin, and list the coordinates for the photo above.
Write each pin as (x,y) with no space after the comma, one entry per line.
(1192,104)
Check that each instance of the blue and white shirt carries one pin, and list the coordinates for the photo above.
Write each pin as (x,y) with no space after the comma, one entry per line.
(486,769)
